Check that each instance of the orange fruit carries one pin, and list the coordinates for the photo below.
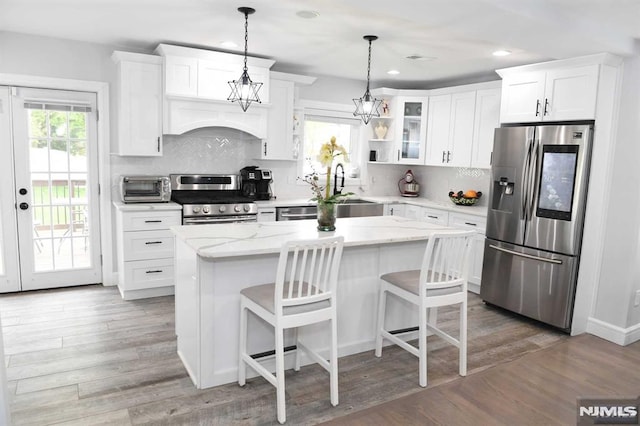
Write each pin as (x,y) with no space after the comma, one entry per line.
(470,194)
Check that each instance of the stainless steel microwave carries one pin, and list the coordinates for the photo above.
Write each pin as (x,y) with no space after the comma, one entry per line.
(145,189)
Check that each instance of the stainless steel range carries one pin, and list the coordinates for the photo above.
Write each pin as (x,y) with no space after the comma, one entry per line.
(214,198)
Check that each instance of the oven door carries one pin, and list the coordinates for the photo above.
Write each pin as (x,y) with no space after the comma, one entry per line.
(219,219)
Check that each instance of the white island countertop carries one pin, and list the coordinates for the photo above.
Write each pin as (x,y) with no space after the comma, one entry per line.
(245,239)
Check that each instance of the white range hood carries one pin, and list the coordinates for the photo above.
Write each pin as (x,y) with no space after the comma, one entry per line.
(196,91)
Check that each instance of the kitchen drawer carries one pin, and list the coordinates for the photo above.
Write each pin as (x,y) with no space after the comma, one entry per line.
(146,274)
(140,245)
(144,221)
(464,221)
(439,217)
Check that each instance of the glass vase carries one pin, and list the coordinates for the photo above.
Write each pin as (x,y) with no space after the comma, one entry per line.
(326,216)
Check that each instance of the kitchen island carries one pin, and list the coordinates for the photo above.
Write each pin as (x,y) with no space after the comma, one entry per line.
(214,262)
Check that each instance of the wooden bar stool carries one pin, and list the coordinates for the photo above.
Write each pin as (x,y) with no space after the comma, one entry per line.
(304,293)
(441,281)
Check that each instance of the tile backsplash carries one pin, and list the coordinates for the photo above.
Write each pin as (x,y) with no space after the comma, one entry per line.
(224,150)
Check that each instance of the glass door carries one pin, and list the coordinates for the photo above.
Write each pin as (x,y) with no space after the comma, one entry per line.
(56,187)
(412,135)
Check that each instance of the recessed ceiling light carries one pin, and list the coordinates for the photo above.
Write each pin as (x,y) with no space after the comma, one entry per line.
(308,14)
(420,58)
(393,72)
(229,44)
(502,53)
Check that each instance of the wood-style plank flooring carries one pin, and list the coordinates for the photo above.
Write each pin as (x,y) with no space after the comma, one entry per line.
(83,356)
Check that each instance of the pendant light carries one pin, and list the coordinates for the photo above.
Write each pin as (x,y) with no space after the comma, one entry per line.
(367,106)
(243,90)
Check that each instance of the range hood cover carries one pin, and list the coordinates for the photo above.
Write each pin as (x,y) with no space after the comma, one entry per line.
(182,115)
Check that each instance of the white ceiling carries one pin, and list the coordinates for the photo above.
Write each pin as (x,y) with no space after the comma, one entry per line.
(459,34)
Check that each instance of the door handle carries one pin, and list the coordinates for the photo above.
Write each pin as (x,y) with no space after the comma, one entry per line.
(545,111)
(24,206)
(537,107)
(528,256)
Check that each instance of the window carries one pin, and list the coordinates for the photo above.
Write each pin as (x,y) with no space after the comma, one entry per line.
(319,130)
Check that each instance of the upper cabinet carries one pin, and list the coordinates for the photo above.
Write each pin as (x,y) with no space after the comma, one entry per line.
(284,122)
(139,104)
(556,94)
(486,120)
(204,74)
(410,136)
(450,129)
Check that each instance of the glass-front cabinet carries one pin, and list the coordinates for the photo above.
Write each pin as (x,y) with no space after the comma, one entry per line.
(412,129)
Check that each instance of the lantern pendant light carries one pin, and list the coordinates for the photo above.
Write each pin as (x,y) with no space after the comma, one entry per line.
(243,90)
(367,106)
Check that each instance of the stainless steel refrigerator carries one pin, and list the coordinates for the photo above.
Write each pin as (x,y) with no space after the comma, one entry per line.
(539,180)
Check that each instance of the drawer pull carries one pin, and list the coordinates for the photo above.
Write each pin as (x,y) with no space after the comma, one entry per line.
(153,221)
(153,242)
(433,217)
(471,224)
(154,272)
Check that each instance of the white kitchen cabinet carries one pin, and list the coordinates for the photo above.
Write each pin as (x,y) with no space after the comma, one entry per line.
(477,223)
(411,128)
(394,209)
(146,252)
(279,142)
(139,104)
(266,214)
(555,94)
(204,74)
(450,126)
(436,216)
(487,119)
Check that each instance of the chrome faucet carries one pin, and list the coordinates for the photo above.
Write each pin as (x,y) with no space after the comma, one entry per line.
(335,180)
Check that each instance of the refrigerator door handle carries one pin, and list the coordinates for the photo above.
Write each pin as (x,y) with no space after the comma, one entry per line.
(533,178)
(528,256)
(524,187)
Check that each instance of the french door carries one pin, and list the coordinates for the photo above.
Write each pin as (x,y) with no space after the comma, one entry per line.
(49,207)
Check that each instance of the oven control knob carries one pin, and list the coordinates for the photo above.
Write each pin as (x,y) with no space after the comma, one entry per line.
(196,209)
(236,208)
(222,209)
(246,208)
(205,209)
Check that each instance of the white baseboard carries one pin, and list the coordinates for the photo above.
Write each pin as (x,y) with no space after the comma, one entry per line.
(613,333)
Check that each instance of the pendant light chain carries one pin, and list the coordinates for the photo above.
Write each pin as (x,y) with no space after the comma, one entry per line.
(246,39)
(369,66)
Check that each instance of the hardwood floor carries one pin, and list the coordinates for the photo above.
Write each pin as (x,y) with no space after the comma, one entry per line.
(83,356)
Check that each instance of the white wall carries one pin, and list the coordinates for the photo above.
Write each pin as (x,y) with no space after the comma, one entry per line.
(619,278)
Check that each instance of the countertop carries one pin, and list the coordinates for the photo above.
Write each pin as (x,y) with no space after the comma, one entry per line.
(416,201)
(245,239)
(144,207)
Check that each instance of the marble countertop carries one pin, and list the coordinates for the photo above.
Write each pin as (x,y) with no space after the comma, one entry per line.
(416,201)
(245,239)
(144,207)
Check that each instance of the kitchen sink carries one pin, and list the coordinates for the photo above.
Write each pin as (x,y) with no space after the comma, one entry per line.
(359,208)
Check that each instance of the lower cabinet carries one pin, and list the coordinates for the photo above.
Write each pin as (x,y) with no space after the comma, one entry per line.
(479,224)
(146,252)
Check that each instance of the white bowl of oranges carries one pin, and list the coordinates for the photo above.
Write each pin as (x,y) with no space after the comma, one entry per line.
(465,198)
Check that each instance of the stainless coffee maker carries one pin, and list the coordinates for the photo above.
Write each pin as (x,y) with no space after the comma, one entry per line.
(256,183)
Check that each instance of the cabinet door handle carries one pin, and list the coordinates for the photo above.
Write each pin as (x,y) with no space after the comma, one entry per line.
(153,221)
(158,143)
(443,154)
(471,224)
(537,107)
(433,217)
(448,156)
(157,271)
(398,155)
(265,149)
(546,107)
(153,242)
